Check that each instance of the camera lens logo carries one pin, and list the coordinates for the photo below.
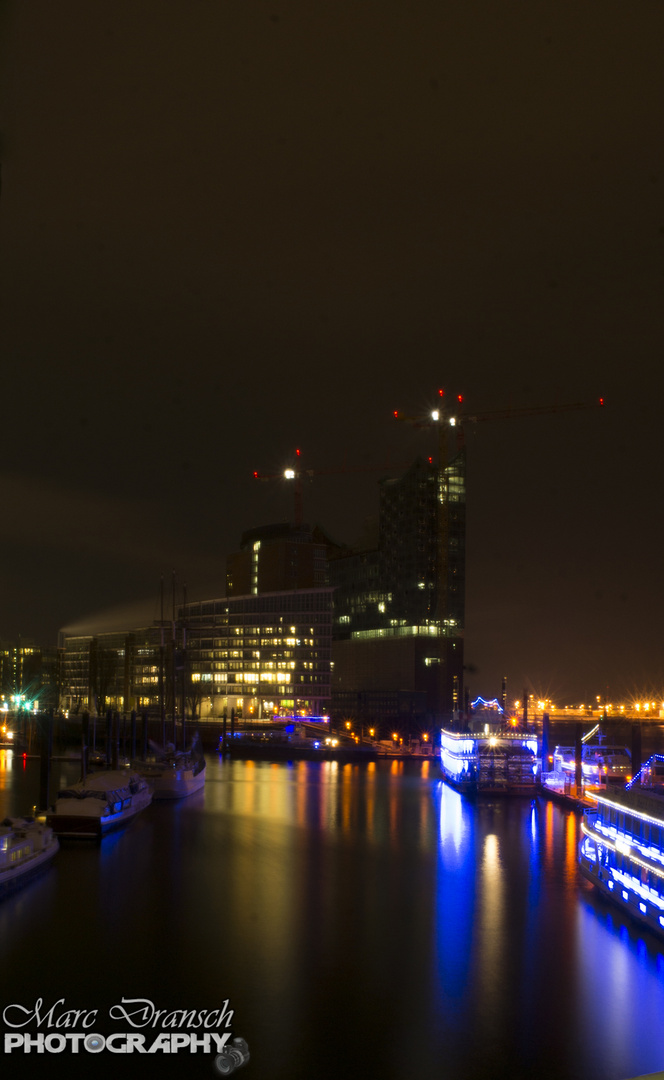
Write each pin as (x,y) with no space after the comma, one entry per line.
(94,1043)
(234,1054)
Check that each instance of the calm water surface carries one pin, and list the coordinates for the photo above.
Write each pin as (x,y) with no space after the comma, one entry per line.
(362,920)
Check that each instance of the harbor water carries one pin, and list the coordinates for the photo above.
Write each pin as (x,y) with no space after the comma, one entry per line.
(359,920)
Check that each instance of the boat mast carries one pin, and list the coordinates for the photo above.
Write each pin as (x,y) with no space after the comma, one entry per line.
(173,670)
(184,667)
(162,703)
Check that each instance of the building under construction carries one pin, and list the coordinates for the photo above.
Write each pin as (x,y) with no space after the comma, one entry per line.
(399,609)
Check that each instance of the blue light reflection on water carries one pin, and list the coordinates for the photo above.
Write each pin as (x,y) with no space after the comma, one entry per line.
(361,918)
(534,973)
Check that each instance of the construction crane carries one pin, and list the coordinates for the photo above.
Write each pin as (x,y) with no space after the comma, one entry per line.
(452,414)
(297,475)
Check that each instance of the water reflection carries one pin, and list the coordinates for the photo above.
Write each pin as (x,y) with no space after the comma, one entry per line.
(360,918)
(489,936)
(621,992)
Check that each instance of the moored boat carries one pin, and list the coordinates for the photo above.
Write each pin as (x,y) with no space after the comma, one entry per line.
(174,775)
(622,852)
(602,762)
(651,775)
(491,762)
(99,804)
(26,848)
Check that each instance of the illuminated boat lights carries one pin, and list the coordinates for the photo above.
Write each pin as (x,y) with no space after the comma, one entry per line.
(625,845)
(457,744)
(628,882)
(493,704)
(491,760)
(623,809)
(461,743)
(622,849)
(645,769)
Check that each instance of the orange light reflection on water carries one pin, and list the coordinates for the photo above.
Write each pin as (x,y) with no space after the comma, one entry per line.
(6,758)
(571,845)
(491,936)
(370,800)
(548,836)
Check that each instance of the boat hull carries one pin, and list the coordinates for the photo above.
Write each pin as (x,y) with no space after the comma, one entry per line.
(16,877)
(106,802)
(91,826)
(475,788)
(175,777)
(177,784)
(595,874)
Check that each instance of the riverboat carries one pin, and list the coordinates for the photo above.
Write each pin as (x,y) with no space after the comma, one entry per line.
(95,806)
(493,761)
(622,852)
(601,762)
(26,848)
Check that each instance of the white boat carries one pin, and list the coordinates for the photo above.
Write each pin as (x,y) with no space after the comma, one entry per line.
(491,762)
(26,848)
(601,762)
(174,775)
(99,804)
(622,852)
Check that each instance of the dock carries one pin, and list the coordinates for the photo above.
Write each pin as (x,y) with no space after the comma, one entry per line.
(559,790)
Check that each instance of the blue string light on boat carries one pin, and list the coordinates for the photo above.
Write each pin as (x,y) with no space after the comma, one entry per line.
(494,704)
(648,765)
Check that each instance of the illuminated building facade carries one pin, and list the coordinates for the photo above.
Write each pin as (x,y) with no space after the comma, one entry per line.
(400,608)
(259,654)
(116,670)
(28,674)
(262,654)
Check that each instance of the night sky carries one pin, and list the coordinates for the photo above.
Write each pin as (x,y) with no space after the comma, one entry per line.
(230,228)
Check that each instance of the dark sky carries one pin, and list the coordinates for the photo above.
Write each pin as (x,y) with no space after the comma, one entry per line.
(228,229)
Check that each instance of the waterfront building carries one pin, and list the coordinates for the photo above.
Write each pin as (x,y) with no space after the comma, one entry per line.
(307,625)
(116,670)
(29,674)
(399,609)
(262,654)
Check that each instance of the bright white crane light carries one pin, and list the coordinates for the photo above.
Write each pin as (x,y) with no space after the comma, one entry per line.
(289,474)
(435,415)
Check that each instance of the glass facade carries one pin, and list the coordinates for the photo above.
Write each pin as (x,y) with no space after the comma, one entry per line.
(411,586)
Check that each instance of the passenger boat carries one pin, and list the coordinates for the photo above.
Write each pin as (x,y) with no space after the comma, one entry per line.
(94,807)
(601,762)
(622,852)
(492,762)
(26,848)
(652,773)
(174,775)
